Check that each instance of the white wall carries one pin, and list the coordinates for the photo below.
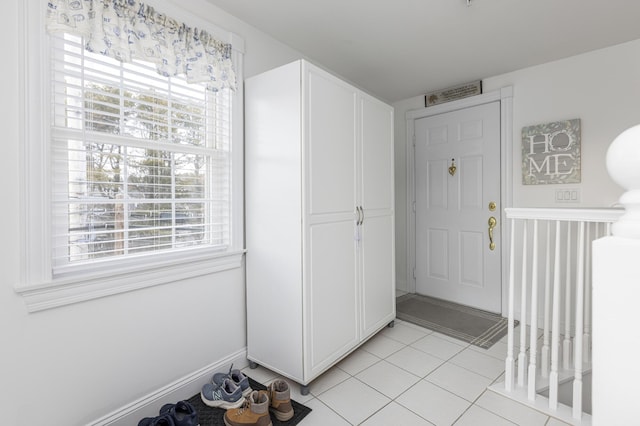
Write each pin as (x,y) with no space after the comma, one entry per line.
(602,88)
(75,364)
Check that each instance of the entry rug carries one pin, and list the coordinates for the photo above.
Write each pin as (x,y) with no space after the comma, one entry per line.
(480,328)
(209,416)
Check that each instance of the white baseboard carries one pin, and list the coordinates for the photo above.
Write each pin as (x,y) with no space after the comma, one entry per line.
(179,390)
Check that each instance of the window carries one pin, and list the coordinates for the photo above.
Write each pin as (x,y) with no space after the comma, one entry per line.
(140,174)
(141,161)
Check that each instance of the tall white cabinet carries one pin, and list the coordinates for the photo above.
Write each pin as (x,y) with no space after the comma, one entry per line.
(319,219)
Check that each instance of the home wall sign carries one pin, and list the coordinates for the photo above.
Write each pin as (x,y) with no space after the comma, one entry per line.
(453,93)
(551,153)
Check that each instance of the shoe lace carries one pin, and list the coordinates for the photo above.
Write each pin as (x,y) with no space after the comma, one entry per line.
(245,406)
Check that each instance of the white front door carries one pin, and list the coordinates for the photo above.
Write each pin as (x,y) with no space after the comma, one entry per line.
(457,183)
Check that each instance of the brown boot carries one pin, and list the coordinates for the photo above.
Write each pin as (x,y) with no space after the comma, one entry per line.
(254,412)
(280,398)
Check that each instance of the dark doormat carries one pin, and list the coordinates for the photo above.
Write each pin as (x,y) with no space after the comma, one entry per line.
(210,416)
(480,328)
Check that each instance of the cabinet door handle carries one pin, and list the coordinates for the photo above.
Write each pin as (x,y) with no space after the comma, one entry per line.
(360,215)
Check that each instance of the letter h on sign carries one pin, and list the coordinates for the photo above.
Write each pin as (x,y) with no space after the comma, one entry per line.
(551,153)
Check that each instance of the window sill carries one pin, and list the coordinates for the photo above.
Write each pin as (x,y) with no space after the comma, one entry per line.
(67,291)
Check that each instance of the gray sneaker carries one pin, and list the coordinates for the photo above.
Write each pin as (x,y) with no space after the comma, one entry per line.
(238,378)
(225,395)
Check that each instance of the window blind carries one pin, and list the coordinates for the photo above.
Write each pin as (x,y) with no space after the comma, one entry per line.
(141,162)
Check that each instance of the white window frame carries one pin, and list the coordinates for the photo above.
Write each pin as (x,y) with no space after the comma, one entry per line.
(39,288)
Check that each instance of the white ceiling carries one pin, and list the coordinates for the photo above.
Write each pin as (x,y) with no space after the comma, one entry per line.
(397,49)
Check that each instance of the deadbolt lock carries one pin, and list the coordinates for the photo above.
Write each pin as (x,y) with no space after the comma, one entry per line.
(492,206)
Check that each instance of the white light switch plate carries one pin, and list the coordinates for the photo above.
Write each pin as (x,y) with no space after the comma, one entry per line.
(568,195)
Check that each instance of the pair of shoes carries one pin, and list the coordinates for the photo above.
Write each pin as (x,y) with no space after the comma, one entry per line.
(255,411)
(180,414)
(224,395)
(236,376)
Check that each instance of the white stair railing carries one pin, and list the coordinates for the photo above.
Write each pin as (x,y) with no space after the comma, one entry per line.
(561,303)
(616,370)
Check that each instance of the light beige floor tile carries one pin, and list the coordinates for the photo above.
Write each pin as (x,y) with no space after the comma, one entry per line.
(555,422)
(358,361)
(433,403)
(511,410)
(416,326)
(394,414)
(441,348)
(404,334)
(327,380)
(321,415)
(476,416)
(387,378)
(450,339)
(415,361)
(382,346)
(482,364)
(354,400)
(459,381)
(498,350)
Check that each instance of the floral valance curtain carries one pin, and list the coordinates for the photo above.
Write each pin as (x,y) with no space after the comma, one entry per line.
(128,29)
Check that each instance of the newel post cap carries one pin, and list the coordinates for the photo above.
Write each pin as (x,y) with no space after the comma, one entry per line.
(623,165)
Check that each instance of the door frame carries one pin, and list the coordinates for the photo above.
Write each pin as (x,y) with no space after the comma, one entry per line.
(505,97)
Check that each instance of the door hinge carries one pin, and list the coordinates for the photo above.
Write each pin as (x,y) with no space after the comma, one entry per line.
(414,206)
(414,139)
(414,273)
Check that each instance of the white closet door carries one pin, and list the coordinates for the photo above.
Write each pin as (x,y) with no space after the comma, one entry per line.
(331,293)
(377,273)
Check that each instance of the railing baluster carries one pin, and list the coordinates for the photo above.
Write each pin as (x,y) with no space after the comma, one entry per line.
(533,346)
(509,361)
(544,353)
(522,357)
(586,337)
(566,343)
(555,326)
(577,381)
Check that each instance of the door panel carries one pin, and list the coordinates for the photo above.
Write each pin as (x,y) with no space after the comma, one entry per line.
(331,130)
(453,259)
(438,190)
(332,277)
(377,155)
(471,265)
(376,246)
(470,188)
(438,254)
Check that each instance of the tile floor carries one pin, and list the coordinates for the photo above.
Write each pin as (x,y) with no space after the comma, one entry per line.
(411,376)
